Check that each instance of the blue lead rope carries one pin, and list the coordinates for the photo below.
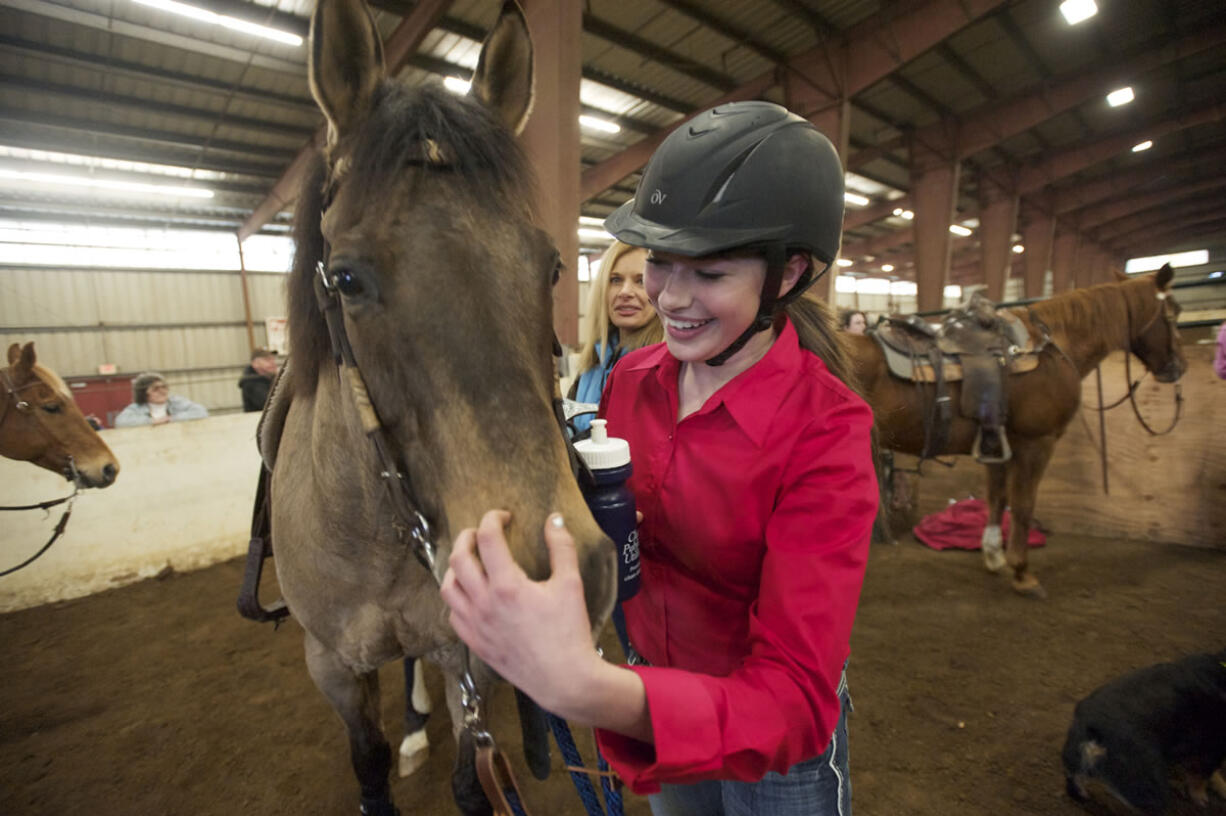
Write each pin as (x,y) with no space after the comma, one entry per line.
(583,783)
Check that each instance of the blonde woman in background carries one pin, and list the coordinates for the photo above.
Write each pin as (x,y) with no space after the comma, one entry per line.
(619,319)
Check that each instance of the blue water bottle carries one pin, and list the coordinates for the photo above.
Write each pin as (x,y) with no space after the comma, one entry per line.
(612,505)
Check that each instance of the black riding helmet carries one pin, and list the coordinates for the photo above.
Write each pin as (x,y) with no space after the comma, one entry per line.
(745,175)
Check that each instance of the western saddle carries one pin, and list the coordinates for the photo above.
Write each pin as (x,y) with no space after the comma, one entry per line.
(975,344)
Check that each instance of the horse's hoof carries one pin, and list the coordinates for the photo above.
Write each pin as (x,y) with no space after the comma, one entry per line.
(378,807)
(1030,587)
(993,560)
(414,751)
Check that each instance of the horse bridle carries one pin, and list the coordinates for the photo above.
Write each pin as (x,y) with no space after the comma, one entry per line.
(412,527)
(1171,332)
(12,393)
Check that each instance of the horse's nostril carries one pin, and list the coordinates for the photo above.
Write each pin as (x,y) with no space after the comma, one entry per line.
(108,473)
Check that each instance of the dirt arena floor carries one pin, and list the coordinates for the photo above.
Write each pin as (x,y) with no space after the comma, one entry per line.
(158,699)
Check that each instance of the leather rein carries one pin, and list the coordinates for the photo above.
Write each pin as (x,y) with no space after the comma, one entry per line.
(1133,385)
(412,526)
(12,394)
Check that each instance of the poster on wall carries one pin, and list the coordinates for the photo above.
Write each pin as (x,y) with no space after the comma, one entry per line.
(278,337)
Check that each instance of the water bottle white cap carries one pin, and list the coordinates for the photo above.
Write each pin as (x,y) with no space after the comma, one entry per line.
(602,452)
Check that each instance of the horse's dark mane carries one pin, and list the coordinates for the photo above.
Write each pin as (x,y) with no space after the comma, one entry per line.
(477,150)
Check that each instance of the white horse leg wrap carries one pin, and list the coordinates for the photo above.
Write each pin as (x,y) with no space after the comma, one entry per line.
(421,698)
(993,548)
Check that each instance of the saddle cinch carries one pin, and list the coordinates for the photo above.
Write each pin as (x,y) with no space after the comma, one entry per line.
(974,344)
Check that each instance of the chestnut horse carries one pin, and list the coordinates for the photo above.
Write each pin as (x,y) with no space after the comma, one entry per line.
(1136,315)
(417,217)
(41,423)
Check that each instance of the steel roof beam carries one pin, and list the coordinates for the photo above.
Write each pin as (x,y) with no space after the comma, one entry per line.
(657,53)
(1183,233)
(79,94)
(870,52)
(991,124)
(1114,184)
(1163,213)
(737,35)
(193,45)
(1037,175)
(143,153)
(150,72)
(142,134)
(1093,217)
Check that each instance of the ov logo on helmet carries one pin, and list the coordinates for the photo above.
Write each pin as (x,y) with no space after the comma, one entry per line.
(658,196)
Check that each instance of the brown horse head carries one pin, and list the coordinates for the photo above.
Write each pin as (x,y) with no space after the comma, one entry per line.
(41,423)
(1153,334)
(420,210)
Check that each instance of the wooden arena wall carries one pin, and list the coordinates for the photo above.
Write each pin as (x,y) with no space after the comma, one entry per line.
(182,500)
(1169,489)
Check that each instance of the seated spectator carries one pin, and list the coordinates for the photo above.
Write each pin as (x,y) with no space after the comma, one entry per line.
(153,404)
(257,379)
(853,321)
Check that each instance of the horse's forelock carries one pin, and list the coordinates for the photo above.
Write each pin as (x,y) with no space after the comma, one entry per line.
(407,123)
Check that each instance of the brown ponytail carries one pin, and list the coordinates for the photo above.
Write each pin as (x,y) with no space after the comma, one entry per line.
(818,331)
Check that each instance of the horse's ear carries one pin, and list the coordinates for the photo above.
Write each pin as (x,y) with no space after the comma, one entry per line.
(503,79)
(22,359)
(345,62)
(1164,276)
(1119,274)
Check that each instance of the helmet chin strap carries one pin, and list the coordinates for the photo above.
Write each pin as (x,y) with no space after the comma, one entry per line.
(769,303)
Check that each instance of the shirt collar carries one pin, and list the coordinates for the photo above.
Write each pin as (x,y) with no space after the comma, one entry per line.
(749,398)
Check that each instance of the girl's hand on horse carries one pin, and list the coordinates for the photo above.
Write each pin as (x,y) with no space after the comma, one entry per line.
(536,634)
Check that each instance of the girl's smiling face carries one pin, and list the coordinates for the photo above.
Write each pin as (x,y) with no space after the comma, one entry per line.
(704,303)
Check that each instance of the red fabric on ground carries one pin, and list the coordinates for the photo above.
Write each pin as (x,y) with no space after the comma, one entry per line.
(960,527)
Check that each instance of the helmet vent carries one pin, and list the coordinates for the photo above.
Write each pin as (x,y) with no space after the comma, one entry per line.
(719,184)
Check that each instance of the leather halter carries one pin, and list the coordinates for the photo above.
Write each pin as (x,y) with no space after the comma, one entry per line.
(21,405)
(13,391)
(1171,329)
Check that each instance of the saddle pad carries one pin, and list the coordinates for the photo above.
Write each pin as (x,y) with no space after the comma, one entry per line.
(272,421)
(906,367)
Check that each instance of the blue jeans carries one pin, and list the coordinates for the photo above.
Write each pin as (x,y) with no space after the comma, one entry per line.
(815,787)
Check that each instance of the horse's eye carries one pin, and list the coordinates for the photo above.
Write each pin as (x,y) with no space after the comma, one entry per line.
(52,408)
(349,284)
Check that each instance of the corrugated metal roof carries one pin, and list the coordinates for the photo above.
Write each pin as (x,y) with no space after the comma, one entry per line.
(116,78)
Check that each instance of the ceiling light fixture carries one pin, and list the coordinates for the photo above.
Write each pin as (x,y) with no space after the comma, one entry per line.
(223,20)
(1077,11)
(106,184)
(596,123)
(1145,145)
(844,262)
(1120,96)
(855,198)
(1018,249)
(456,85)
(958,229)
(887,267)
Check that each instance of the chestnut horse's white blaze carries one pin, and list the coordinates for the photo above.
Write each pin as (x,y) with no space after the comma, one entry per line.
(420,209)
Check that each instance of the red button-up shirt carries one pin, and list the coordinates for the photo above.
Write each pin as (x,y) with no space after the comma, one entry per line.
(757,511)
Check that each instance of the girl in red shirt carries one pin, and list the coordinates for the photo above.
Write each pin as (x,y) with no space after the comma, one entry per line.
(753,472)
